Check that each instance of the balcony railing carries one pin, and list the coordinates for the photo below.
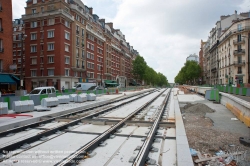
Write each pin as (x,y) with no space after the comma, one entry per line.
(239,52)
(239,41)
(239,63)
(239,72)
(1,49)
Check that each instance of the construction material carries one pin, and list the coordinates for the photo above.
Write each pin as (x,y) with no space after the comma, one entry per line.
(63,99)
(3,108)
(91,97)
(80,98)
(23,106)
(50,102)
(71,97)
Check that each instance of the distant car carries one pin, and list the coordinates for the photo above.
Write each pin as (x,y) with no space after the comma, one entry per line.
(43,90)
(96,88)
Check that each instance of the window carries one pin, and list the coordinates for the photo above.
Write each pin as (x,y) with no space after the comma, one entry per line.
(41,60)
(50,34)
(14,53)
(41,35)
(75,74)
(33,24)
(19,45)
(50,72)
(90,75)
(41,47)
(83,64)
(19,60)
(33,49)
(33,36)
(42,9)
(90,55)
(82,53)
(67,60)
(239,37)
(51,21)
(239,27)
(50,46)
(33,11)
(33,61)
(77,52)
(90,37)
(50,59)
(67,35)
(90,46)
(77,41)
(66,23)
(77,30)
(33,73)
(42,22)
(34,1)
(82,32)
(66,72)
(66,47)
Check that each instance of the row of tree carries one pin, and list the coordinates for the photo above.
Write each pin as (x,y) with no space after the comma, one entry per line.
(141,71)
(189,74)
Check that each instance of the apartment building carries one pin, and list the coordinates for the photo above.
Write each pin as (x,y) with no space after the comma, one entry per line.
(233,49)
(213,76)
(18,44)
(201,60)
(5,33)
(66,43)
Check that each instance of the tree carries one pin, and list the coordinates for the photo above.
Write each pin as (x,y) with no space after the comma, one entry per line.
(139,67)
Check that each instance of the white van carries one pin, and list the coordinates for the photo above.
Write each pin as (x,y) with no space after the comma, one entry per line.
(83,86)
(43,90)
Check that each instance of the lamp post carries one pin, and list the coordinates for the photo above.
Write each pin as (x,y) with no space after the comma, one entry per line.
(23,36)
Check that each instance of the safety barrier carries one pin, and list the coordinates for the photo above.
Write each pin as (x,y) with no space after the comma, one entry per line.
(234,90)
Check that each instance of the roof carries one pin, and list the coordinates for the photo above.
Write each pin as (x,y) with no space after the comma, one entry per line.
(8,79)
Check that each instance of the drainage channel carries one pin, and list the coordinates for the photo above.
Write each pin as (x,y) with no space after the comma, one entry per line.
(86,150)
(46,135)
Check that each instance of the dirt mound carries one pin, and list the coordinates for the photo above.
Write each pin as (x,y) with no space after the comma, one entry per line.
(197,109)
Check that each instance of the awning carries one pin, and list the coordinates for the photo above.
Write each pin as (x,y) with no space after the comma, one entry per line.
(7,79)
(110,82)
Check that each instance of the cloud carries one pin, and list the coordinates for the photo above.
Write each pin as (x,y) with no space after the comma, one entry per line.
(18,8)
(164,32)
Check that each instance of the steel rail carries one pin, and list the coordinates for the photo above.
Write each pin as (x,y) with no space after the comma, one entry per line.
(34,138)
(37,124)
(142,156)
(79,154)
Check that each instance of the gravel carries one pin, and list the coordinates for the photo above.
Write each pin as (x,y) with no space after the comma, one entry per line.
(202,137)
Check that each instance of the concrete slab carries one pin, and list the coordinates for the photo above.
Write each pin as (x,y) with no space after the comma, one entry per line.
(189,98)
(51,152)
(52,125)
(140,131)
(92,128)
(127,130)
(5,141)
(104,154)
(169,152)
(127,150)
(170,132)
(128,109)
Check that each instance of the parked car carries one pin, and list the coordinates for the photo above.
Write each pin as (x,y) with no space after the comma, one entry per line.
(43,90)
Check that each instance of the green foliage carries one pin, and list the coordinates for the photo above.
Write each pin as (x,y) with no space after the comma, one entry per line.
(143,72)
(189,72)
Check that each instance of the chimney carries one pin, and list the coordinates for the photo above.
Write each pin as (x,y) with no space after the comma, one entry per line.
(91,10)
(110,24)
(235,15)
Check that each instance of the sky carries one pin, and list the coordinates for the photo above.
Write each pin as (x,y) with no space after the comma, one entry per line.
(164,32)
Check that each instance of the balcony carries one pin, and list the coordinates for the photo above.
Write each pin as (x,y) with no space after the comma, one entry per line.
(107,74)
(48,13)
(95,33)
(115,47)
(1,49)
(77,8)
(239,41)
(239,52)
(239,63)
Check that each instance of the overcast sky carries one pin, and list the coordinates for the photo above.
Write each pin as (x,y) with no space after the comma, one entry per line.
(164,32)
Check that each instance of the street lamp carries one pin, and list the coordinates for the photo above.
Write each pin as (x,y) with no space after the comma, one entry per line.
(23,36)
